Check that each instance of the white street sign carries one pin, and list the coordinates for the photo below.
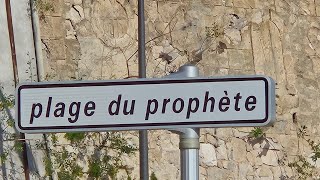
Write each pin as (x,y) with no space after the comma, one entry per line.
(145,104)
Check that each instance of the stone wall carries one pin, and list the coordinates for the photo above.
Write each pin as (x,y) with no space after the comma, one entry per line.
(97,39)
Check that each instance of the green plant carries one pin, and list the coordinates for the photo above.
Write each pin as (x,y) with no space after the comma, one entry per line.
(67,165)
(95,169)
(75,137)
(3,157)
(315,148)
(48,166)
(302,131)
(18,146)
(257,133)
(7,102)
(43,6)
(12,143)
(304,168)
(54,139)
(153,176)
(104,162)
(10,122)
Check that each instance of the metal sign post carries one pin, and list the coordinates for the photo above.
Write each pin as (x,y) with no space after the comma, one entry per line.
(189,137)
(143,134)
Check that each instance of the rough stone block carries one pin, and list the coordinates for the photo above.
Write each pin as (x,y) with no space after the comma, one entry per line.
(75,14)
(253,157)
(217,173)
(222,153)
(243,3)
(207,155)
(110,9)
(244,170)
(92,48)
(166,10)
(52,28)
(254,4)
(289,143)
(73,51)
(317,11)
(55,48)
(50,67)
(262,50)
(238,149)
(65,70)
(270,157)
(240,59)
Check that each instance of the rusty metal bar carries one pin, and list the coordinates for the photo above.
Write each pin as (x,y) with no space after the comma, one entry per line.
(16,81)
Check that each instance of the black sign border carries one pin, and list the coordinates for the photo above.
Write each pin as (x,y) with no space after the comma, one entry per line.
(141,82)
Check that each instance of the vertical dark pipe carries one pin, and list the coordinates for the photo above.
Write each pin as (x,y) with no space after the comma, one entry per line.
(143,134)
(16,80)
(141,40)
(11,37)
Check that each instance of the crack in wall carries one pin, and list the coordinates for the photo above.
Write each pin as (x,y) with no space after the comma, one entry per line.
(46,47)
(73,6)
(73,28)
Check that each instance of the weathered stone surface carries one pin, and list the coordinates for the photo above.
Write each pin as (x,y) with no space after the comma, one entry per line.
(270,157)
(203,173)
(271,143)
(241,60)
(224,133)
(55,48)
(65,70)
(222,153)
(262,53)
(290,143)
(71,33)
(216,173)
(238,149)
(244,170)
(52,28)
(256,4)
(75,14)
(208,138)
(241,132)
(277,38)
(91,48)
(254,157)
(264,172)
(72,48)
(77,2)
(207,155)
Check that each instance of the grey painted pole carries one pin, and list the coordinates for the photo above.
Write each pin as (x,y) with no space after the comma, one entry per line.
(189,154)
(143,134)
(189,137)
